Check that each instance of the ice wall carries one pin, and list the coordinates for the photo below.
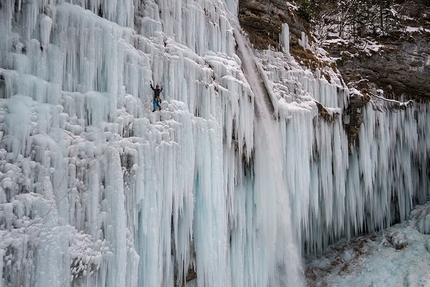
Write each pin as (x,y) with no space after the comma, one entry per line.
(96,190)
(337,191)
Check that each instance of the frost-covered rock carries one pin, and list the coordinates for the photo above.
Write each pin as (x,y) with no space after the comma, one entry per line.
(397,256)
(423,220)
(398,240)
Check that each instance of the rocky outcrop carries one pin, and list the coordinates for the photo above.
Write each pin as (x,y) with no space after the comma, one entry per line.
(353,118)
(398,63)
(262,20)
(400,67)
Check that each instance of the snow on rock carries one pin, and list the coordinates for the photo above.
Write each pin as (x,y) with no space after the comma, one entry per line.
(397,256)
(423,220)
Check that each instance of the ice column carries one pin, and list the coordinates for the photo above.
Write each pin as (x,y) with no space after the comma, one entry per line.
(340,189)
(284,38)
(45,30)
(272,217)
(304,42)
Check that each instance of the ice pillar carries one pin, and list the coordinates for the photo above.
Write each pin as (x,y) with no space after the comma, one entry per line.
(284,38)
(304,42)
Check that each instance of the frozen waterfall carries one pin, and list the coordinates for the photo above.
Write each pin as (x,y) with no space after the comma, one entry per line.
(96,190)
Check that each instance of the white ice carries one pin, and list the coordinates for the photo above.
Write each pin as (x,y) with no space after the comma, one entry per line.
(96,190)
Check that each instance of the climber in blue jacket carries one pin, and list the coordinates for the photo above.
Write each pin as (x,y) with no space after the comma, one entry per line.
(156,101)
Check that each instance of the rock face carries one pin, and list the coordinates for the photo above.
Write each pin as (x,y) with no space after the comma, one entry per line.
(398,62)
(393,57)
(402,66)
(352,118)
(262,20)
(399,66)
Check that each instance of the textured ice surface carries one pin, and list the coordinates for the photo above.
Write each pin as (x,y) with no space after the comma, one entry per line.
(96,190)
(397,256)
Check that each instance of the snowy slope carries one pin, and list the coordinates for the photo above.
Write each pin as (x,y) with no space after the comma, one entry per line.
(96,190)
(397,256)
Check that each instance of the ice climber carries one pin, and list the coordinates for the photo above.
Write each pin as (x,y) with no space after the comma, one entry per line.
(156,101)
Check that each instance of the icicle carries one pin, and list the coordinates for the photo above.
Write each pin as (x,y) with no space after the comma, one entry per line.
(284,38)
(45,30)
(127,197)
